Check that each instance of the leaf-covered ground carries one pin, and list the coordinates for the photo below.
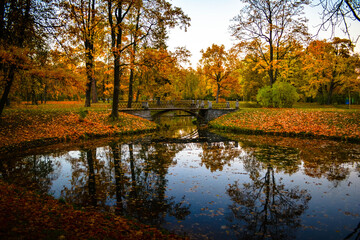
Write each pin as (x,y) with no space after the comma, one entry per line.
(293,122)
(27,215)
(29,128)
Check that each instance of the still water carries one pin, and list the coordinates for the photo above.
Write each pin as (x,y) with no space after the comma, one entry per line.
(205,185)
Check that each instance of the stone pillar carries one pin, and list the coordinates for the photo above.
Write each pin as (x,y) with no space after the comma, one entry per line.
(237,104)
(227,104)
(202,104)
(145,105)
(210,104)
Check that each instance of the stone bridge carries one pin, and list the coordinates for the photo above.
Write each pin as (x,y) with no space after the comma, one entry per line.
(150,110)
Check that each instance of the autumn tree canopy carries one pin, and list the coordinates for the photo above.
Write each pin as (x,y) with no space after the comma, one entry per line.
(117,50)
(331,67)
(219,65)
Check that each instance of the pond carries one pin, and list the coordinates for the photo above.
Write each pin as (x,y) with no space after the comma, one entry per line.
(206,185)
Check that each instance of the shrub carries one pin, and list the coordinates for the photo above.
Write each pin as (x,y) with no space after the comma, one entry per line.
(264,96)
(281,94)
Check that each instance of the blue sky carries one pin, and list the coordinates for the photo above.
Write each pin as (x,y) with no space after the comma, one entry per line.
(210,21)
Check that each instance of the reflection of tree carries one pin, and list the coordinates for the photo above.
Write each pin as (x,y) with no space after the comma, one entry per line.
(265,208)
(177,127)
(89,180)
(215,155)
(321,158)
(331,162)
(147,200)
(136,182)
(355,232)
(91,156)
(141,183)
(34,172)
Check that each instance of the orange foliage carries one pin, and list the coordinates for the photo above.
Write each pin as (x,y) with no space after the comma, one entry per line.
(343,125)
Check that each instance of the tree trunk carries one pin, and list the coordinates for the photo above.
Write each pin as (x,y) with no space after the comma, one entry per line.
(271,46)
(88,89)
(89,53)
(7,88)
(137,95)
(116,93)
(94,91)
(45,94)
(133,55)
(131,81)
(330,93)
(103,89)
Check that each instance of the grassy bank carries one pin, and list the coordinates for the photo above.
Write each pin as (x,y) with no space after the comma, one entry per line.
(29,126)
(332,123)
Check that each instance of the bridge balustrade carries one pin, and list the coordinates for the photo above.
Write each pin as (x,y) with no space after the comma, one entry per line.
(185,104)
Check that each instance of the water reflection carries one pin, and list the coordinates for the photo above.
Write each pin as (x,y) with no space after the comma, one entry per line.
(215,155)
(36,171)
(265,208)
(204,185)
(119,180)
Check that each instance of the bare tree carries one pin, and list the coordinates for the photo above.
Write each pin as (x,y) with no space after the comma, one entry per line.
(270,26)
(339,12)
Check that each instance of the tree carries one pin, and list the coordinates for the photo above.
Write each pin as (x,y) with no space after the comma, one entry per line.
(117,11)
(158,69)
(267,26)
(81,19)
(148,15)
(21,27)
(149,22)
(330,66)
(252,78)
(337,12)
(219,66)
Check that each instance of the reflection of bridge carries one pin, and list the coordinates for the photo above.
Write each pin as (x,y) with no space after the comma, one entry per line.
(204,112)
(197,136)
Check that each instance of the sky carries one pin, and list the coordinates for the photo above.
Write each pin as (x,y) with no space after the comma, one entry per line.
(211,19)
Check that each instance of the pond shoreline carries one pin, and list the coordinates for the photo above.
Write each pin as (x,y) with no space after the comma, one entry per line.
(130,149)
(329,125)
(48,129)
(301,135)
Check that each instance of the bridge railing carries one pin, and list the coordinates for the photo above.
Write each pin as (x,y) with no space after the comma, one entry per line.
(188,104)
(135,105)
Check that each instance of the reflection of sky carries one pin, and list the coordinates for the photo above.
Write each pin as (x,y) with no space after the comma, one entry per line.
(205,191)
(65,174)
